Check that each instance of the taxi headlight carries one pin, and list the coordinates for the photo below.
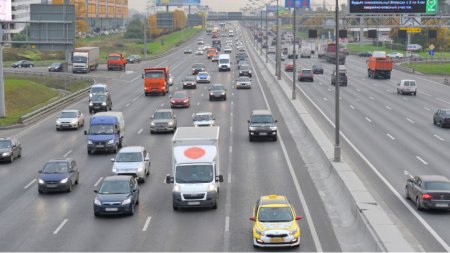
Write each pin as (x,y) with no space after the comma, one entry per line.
(90,104)
(40,181)
(293,232)
(170,124)
(252,128)
(126,202)
(104,103)
(273,128)
(152,123)
(64,180)
(89,142)
(259,232)
(6,154)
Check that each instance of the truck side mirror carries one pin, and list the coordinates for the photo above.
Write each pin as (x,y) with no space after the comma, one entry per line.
(143,75)
(169,179)
(219,178)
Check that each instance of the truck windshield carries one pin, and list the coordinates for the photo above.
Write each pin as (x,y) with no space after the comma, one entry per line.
(101,129)
(154,74)
(224,61)
(79,59)
(194,174)
(114,58)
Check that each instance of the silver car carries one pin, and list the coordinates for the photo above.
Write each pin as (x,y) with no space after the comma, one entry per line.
(243,82)
(134,161)
(163,120)
(170,81)
(203,119)
(69,119)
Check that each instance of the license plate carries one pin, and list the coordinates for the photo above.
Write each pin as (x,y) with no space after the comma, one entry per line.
(65,125)
(217,96)
(441,205)
(111,209)
(262,133)
(276,240)
(100,146)
(52,186)
(193,203)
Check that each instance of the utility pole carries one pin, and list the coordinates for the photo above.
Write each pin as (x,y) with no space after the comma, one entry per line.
(294,53)
(145,32)
(267,34)
(277,57)
(262,40)
(337,146)
(2,81)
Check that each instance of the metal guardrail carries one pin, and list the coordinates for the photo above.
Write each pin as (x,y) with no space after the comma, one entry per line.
(49,74)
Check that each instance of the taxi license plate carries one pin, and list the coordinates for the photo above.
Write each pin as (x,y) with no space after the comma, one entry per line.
(275,240)
(441,205)
(193,203)
(262,133)
(111,209)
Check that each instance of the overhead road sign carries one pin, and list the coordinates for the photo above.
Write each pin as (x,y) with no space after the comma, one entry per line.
(389,6)
(411,29)
(177,2)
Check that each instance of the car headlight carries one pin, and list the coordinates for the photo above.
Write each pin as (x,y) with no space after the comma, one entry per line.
(91,104)
(252,128)
(211,94)
(90,95)
(64,180)
(140,168)
(176,188)
(74,121)
(294,231)
(259,232)
(97,202)
(114,170)
(89,142)
(273,128)
(58,121)
(212,187)
(223,93)
(240,72)
(185,101)
(40,181)
(104,103)
(111,141)
(126,202)
(152,123)
(6,154)
(170,124)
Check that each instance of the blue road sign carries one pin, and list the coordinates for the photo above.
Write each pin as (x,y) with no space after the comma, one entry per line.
(431,52)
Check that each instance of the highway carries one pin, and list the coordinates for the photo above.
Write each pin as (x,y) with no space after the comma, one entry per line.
(394,132)
(65,222)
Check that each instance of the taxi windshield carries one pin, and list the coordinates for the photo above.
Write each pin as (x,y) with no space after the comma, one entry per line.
(275,214)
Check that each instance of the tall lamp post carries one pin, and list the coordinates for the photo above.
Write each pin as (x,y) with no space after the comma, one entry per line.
(337,146)
(267,34)
(294,53)
(277,51)
(262,40)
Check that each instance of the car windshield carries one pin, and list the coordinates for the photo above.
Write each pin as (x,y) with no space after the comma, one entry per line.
(437,186)
(203,74)
(154,74)
(5,144)
(262,119)
(245,67)
(114,187)
(97,90)
(194,174)
(446,112)
(179,95)
(55,64)
(101,129)
(162,115)
(55,168)
(317,66)
(197,66)
(129,157)
(68,115)
(244,79)
(203,117)
(98,98)
(189,79)
(217,87)
(306,71)
(275,214)
(224,61)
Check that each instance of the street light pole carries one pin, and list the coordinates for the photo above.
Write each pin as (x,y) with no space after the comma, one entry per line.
(294,56)
(267,34)
(337,146)
(277,57)
(262,40)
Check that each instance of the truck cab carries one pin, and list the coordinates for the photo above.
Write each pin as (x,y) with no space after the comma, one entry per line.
(156,80)
(106,132)
(116,61)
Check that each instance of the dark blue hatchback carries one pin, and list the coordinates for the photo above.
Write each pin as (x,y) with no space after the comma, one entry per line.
(58,175)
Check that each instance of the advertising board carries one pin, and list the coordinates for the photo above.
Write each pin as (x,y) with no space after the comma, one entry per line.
(177,2)
(389,6)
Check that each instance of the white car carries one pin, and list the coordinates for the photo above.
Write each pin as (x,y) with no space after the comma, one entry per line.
(70,119)
(395,55)
(203,77)
(199,52)
(203,119)
(271,50)
(132,160)
(407,87)
(227,50)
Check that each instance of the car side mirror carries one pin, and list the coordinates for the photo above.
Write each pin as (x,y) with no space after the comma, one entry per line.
(253,218)
(169,179)
(152,117)
(276,121)
(298,217)
(112,159)
(72,171)
(134,190)
(410,180)
(219,178)
(96,191)
(40,171)
(85,132)
(147,159)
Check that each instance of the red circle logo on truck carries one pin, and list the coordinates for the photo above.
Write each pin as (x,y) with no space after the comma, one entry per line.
(194,152)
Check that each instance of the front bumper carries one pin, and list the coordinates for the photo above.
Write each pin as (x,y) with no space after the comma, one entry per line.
(209,199)
(66,125)
(263,133)
(137,174)
(101,147)
(98,108)
(53,187)
(288,241)
(165,128)
(105,209)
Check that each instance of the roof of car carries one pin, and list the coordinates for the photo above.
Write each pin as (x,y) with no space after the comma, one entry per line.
(434,178)
(131,149)
(117,178)
(261,112)
(67,159)
(273,200)
(70,110)
(203,73)
(99,85)
(203,113)
(163,110)
(6,138)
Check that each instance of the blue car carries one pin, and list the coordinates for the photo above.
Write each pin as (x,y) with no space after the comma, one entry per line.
(58,175)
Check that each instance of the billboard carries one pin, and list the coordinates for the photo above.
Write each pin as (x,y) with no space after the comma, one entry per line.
(5,10)
(177,2)
(298,3)
(388,6)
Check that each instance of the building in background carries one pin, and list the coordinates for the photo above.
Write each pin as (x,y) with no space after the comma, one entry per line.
(20,11)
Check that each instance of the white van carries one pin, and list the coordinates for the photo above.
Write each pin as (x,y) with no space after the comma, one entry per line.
(407,87)
(306,52)
(224,62)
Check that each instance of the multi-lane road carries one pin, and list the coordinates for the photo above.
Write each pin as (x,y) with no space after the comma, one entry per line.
(65,222)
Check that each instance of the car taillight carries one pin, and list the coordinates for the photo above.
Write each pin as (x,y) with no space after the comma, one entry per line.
(426,196)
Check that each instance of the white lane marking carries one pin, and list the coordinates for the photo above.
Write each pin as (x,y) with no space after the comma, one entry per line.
(162,105)
(232,93)
(325,99)
(98,181)
(67,153)
(231,129)
(29,184)
(371,98)
(404,98)
(329,89)
(351,106)
(420,159)
(136,98)
(140,131)
(426,108)
(229,178)
(230,149)
(440,138)
(147,222)
(442,100)
(198,103)
(388,90)
(127,105)
(388,107)
(232,103)
(358,90)
(201,95)
(227,224)
(134,79)
(424,93)
(368,119)
(410,120)
(390,136)
(60,226)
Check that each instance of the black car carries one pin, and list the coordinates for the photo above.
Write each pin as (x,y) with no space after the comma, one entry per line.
(262,125)
(317,69)
(241,56)
(188,51)
(22,64)
(365,54)
(10,148)
(116,195)
(134,59)
(245,70)
(217,91)
(100,102)
(189,82)
(241,63)
(428,191)
(56,67)
(198,67)
(442,117)
(342,78)
(58,175)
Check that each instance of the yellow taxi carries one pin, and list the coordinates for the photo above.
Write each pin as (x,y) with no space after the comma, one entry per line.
(275,223)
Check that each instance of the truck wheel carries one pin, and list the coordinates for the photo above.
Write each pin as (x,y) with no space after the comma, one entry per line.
(215,205)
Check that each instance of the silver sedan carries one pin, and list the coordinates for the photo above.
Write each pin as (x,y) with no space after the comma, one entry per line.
(69,119)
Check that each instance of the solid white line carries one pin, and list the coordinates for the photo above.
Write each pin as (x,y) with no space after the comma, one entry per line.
(147,222)
(98,181)
(442,100)
(230,149)
(371,98)
(229,178)
(231,129)
(420,159)
(140,131)
(368,119)
(227,224)
(60,226)
(410,120)
(351,106)
(440,138)
(127,105)
(388,107)
(390,136)
(67,153)
(29,184)
(426,108)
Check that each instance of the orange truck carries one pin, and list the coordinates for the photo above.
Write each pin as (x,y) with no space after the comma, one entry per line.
(156,80)
(379,66)
(212,51)
(116,61)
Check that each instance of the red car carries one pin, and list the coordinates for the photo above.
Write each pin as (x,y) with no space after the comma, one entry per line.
(289,67)
(180,99)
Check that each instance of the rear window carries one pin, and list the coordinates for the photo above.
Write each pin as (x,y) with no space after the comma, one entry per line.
(306,71)
(438,186)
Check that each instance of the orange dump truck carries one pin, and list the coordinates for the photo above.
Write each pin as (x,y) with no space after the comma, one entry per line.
(156,80)
(211,52)
(116,61)
(379,66)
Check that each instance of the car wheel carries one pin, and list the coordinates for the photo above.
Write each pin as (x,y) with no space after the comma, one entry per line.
(96,214)
(415,93)
(441,124)
(215,205)
(69,189)
(142,180)
(174,207)
(406,193)
(78,179)
(20,153)
(434,122)
(250,138)
(274,138)
(11,158)
(418,206)
(132,210)
(40,191)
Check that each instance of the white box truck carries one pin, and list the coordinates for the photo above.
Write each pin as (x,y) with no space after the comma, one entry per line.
(85,59)
(195,167)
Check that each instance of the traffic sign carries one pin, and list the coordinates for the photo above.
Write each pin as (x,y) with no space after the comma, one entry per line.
(411,29)
(431,52)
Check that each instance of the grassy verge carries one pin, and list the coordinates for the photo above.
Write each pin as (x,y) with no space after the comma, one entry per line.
(430,68)
(23,95)
(369,47)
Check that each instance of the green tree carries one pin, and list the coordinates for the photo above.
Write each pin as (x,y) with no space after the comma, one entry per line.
(135,30)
